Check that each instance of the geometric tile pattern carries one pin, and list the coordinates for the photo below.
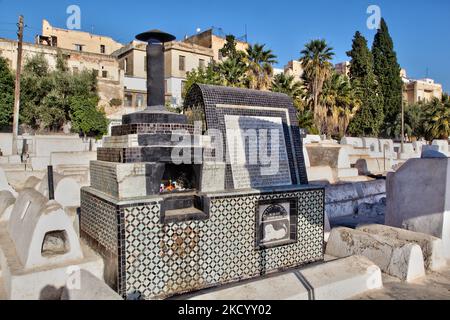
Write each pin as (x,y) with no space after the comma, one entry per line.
(163,260)
(99,220)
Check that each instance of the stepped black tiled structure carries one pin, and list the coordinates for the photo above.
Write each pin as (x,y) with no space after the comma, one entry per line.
(165,228)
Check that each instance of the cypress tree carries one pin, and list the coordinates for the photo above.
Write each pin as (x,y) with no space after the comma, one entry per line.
(387,71)
(6,93)
(369,118)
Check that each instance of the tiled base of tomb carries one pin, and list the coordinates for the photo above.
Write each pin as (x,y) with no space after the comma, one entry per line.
(148,258)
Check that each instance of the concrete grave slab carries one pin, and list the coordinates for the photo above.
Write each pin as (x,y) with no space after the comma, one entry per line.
(41,231)
(66,189)
(46,282)
(7,200)
(373,144)
(442,146)
(90,288)
(398,258)
(432,248)
(334,280)
(355,142)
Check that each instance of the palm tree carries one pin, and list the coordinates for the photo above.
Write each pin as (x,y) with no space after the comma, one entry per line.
(233,72)
(315,59)
(437,123)
(260,68)
(340,103)
(286,84)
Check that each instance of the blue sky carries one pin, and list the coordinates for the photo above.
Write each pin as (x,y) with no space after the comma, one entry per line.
(421,29)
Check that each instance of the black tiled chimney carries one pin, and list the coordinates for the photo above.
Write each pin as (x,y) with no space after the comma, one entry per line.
(155,111)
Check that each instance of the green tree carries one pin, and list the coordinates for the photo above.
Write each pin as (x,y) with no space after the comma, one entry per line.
(208,75)
(233,72)
(305,119)
(6,93)
(437,119)
(35,85)
(341,103)
(229,49)
(315,59)
(369,118)
(286,84)
(86,118)
(387,71)
(51,98)
(260,66)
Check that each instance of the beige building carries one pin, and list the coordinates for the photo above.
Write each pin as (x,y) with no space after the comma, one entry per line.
(212,41)
(422,90)
(180,58)
(76,40)
(110,77)
(132,60)
(294,68)
(342,68)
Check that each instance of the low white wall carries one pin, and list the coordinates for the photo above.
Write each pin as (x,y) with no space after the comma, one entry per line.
(343,199)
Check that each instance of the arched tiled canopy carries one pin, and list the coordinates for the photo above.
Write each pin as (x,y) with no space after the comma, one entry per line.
(209,96)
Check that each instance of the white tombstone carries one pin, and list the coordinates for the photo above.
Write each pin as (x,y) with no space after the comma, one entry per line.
(418,145)
(355,142)
(408,152)
(442,146)
(387,147)
(418,198)
(66,190)
(306,157)
(311,139)
(42,232)
(373,144)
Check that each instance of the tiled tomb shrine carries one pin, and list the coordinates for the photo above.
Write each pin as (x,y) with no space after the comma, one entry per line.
(166,228)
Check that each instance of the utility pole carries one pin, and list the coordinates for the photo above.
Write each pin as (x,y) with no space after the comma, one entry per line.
(17,87)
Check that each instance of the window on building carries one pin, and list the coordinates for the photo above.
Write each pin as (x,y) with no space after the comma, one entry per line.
(145,63)
(102,48)
(183,85)
(220,56)
(125,66)
(201,63)
(182,63)
(128,99)
(104,74)
(95,71)
(139,100)
(79,47)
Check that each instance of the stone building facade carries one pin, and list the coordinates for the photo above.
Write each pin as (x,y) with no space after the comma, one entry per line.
(76,40)
(110,77)
(180,58)
(209,39)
